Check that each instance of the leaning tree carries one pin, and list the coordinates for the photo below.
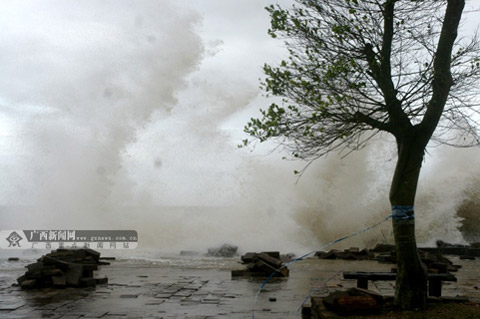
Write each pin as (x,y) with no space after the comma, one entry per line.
(359,67)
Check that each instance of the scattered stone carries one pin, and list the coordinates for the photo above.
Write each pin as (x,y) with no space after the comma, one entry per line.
(286,258)
(262,264)
(353,253)
(29,284)
(223,251)
(63,268)
(272,299)
(91,253)
(88,282)
(387,258)
(382,248)
(273,254)
(248,257)
(48,260)
(365,292)
(434,261)
(348,305)
(353,301)
(59,281)
(271,259)
(74,274)
(455,249)
(21,279)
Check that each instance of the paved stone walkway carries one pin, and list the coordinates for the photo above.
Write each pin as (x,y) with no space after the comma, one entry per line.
(196,289)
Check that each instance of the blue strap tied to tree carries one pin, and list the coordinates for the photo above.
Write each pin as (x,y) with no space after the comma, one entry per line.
(403,213)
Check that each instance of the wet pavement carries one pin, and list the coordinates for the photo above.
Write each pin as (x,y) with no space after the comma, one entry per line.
(198,288)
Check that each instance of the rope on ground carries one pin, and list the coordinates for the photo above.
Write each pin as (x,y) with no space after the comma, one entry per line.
(311,252)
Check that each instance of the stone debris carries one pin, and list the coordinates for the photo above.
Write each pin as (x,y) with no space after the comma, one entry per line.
(225,250)
(385,253)
(466,251)
(63,268)
(286,258)
(383,248)
(437,263)
(107,258)
(352,253)
(434,261)
(215,295)
(354,301)
(388,257)
(262,264)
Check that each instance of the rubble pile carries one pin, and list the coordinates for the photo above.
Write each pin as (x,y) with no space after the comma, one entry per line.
(262,264)
(63,268)
(354,301)
(225,250)
(353,253)
(385,253)
(464,251)
(434,261)
(387,257)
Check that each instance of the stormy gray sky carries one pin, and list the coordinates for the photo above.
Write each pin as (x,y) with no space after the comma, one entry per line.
(96,89)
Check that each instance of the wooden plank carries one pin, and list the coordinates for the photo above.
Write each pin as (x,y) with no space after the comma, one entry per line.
(369,275)
(443,277)
(434,280)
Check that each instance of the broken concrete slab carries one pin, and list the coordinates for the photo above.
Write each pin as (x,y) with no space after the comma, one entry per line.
(74,273)
(29,284)
(348,254)
(262,264)
(273,261)
(87,282)
(91,253)
(63,267)
(352,301)
(59,281)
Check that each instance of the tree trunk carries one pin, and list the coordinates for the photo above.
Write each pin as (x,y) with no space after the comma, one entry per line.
(411,283)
